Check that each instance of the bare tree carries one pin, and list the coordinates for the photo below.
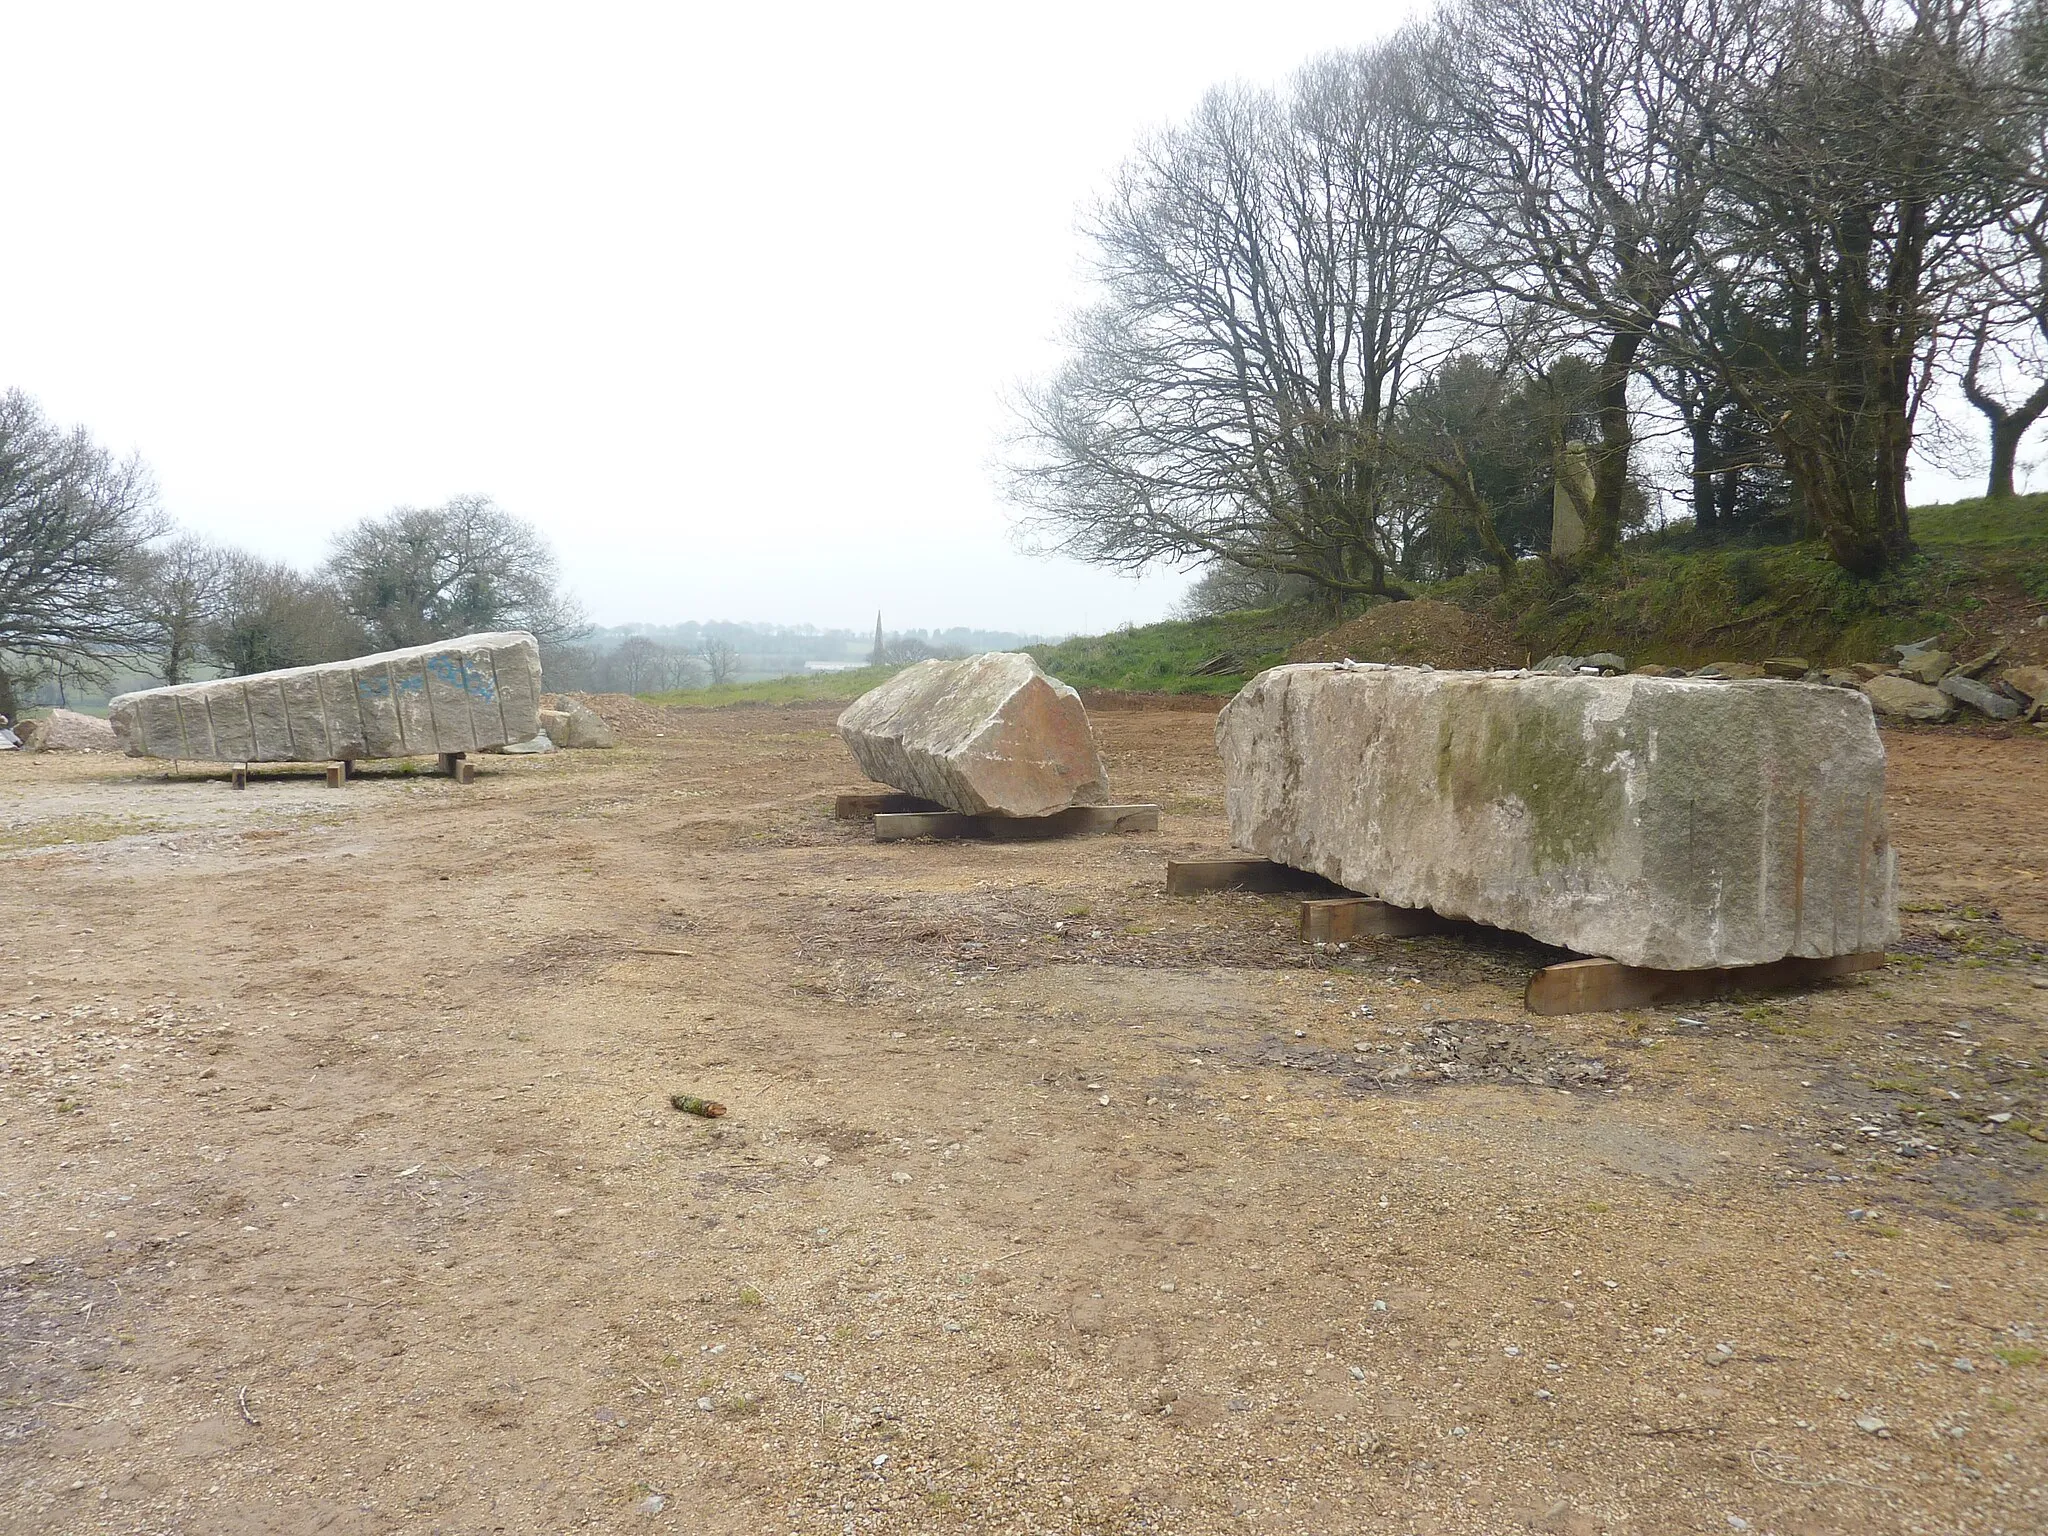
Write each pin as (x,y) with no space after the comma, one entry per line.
(1587,132)
(74,525)
(679,669)
(1863,169)
(427,573)
(721,659)
(268,615)
(2009,332)
(638,660)
(1269,269)
(177,588)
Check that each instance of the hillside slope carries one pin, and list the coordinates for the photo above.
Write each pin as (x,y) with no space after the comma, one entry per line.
(1981,571)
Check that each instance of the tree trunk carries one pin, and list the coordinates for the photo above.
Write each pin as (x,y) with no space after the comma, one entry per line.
(1617,438)
(2005,449)
(1705,510)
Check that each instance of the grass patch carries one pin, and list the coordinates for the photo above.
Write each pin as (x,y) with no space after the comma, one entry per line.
(1171,657)
(803,688)
(63,831)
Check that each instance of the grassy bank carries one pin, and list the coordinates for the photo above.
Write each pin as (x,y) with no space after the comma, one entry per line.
(803,688)
(1171,657)
(1658,601)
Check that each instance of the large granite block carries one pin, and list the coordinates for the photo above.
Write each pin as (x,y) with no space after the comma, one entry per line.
(991,735)
(1658,821)
(454,696)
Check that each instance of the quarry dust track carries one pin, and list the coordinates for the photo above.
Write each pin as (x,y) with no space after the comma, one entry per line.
(341,1192)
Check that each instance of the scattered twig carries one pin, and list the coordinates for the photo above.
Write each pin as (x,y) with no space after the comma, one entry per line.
(242,1402)
(635,949)
(690,1104)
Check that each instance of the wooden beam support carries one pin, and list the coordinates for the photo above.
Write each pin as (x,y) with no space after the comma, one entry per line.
(1600,986)
(238,776)
(1237,872)
(861,806)
(893,827)
(337,775)
(1344,918)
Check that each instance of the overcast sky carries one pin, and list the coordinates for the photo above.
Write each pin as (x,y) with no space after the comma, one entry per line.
(725,298)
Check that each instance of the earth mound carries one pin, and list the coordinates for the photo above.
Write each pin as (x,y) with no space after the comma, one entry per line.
(1420,632)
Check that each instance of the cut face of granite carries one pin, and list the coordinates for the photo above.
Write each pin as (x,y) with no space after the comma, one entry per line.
(991,735)
(453,696)
(1657,821)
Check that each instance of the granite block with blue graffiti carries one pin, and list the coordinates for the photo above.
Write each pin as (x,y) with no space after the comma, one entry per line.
(460,695)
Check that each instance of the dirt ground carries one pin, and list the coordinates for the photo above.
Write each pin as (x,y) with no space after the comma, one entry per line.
(342,1191)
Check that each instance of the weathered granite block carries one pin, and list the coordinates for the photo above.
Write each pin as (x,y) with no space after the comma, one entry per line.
(1658,821)
(991,735)
(455,696)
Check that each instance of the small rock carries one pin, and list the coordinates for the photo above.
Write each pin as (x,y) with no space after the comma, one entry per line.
(653,1504)
(1791,668)
(2032,681)
(1869,669)
(704,1405)
(1977,664)
(1730,671)
(1566,664)
(1609,663)
(1871,1424)
(1914,648)
(1903,699)
(794,1378)
(1928,667)
(899,1177)
(1980,697)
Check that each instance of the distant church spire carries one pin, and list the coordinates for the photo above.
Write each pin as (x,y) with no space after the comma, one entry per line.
(875,659)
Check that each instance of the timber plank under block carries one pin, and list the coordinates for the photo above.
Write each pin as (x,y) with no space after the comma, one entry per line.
(893,827)
(1341,919)
(864,804)
(1237,872)
(1601,986)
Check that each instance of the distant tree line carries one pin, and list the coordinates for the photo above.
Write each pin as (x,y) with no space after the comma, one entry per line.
(1346,328)
(94,579)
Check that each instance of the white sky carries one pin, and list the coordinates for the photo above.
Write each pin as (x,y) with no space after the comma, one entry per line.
(724,298)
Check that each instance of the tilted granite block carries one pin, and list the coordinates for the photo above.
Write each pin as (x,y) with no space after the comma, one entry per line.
(1657,821)
(991,735)
(454,696)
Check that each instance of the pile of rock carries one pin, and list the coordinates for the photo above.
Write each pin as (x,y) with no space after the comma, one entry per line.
(567,721)
(1922,682)
(1928,683)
